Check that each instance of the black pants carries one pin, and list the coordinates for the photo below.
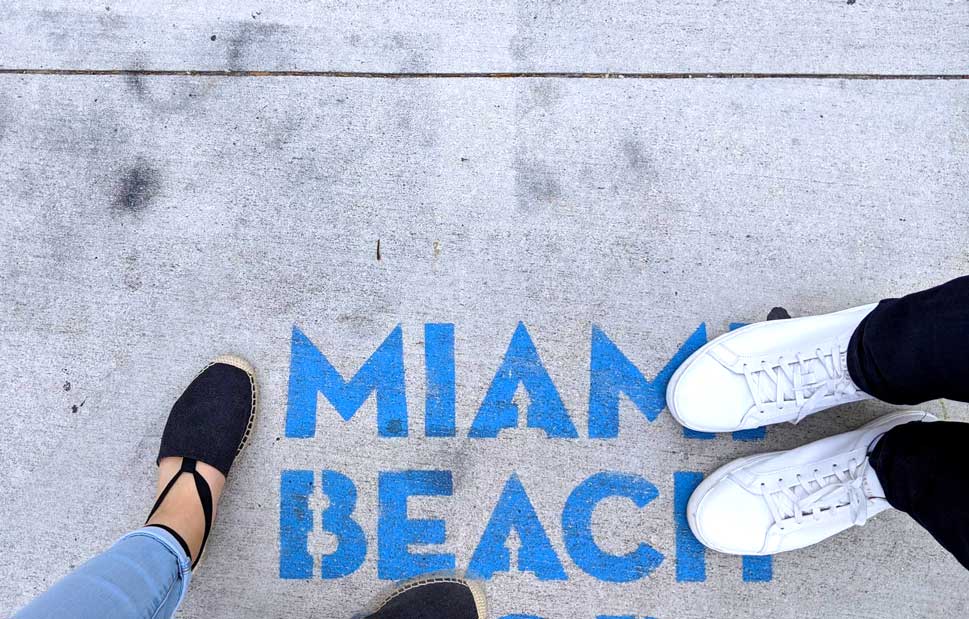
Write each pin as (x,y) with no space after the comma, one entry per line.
(908,351)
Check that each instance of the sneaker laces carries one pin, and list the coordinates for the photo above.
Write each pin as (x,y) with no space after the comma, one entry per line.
(798,382)
(821,495)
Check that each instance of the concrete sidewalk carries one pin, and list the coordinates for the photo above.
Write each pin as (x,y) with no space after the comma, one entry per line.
(153,221)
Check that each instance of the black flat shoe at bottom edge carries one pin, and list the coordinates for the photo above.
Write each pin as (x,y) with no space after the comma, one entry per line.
(433,597)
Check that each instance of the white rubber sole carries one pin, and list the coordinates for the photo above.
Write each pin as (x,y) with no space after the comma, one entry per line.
(726,337)
(714,478)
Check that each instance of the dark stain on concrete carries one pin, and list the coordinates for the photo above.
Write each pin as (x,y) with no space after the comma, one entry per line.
(139,184)
(163,95)
(235,50)
(536,183)
(132,274)
(633,152)
(546,93)
(411,47)
(67,386)
(136,84)
(268,35)
(520,47)
(539,100)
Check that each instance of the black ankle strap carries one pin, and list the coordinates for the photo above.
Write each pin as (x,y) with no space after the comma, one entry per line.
(205,497)
(174,533)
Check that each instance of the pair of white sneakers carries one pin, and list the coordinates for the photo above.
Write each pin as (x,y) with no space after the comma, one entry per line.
(771,372)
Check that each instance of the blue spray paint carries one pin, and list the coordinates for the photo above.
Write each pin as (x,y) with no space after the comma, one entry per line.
(439,368)
(611,373)
(758,569)
(522,365)
(337,519)
(515,511)
(395,531)
(753,434)
(691,563)
(295,524)
(577,529)
(310,373)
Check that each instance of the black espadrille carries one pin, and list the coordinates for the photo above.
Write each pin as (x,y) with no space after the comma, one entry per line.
(210,422)
(432,597)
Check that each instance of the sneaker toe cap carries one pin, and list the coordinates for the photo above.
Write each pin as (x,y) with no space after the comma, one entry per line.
(710,398)
(728,518)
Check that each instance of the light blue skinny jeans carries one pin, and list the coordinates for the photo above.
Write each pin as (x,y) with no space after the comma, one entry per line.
(144,575)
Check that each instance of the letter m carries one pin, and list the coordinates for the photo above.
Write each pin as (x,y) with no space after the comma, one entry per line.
(310,373)
(612,374)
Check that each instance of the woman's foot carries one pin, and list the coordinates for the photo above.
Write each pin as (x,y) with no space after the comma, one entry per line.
(207,427)
(181,510)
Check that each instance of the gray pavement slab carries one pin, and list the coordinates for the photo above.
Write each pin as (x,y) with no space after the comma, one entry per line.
(898,36)
(151,223)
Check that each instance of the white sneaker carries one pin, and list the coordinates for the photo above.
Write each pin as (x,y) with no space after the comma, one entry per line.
(786,500)
(768,372)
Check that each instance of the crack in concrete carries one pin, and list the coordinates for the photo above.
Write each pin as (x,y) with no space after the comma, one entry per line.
(477,75)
